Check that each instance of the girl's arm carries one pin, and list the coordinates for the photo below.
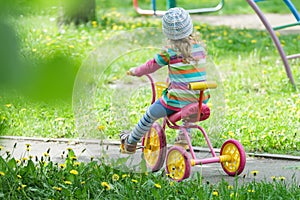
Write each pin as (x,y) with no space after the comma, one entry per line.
(147,68)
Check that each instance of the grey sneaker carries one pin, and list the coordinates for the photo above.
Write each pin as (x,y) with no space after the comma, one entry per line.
(125,146)
(180,140)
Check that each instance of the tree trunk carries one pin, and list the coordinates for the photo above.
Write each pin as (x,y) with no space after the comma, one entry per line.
(78,11)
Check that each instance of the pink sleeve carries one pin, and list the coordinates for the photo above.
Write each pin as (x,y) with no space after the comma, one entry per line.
(147,68)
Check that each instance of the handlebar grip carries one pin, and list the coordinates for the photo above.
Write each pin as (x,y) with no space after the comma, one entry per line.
(202,85)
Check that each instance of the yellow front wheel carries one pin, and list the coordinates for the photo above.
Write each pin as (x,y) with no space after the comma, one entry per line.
(237,157)
(178,163)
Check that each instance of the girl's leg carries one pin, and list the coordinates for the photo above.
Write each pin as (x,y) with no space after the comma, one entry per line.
(154,112)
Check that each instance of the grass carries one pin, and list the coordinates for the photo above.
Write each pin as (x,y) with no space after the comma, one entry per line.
(266,119)
(39,178)
(262,109)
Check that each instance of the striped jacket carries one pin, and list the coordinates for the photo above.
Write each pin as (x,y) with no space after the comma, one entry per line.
(177,95)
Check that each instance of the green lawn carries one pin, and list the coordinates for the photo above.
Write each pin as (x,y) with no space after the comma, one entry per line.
(262,109)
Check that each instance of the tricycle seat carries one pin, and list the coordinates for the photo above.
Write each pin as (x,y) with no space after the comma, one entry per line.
(190,113)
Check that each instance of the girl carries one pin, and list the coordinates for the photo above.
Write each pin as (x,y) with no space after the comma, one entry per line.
(185,59)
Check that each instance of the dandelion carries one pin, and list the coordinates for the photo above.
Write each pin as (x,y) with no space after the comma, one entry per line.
(94,23)
(230,187)
(74,172)
(197,27)
(251,191)
(76,164)
(68,182)
(28,149)
(115,177)
(105,185)
(171,184)
(1,148)
(124,175)
(134,180)
(24,159)
(82,182)
(101,127)
(73,158)
(34,50)
(71,46)
(231,133)
(23,186)
(2,173)
(46,154)
(157,185)
(8,105)
(62,166)
(57,188)
(255,172)
(215,193)
(253,41)
(273,178)
(18,161)
(19,176)
(282,178)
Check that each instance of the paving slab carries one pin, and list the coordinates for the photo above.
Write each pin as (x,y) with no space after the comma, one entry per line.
(284,166)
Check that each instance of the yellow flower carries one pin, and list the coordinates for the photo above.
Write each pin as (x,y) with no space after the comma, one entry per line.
(115,177)
(19,176)
(231,133)
(105,185)
(273,178)
(82,182)
(94,23)
(101,127)
(8,105)
(251,191)
(253,41)
(157,185)
(24,159)
(171,184)
(73,171)
(57,188)
(68,182)
(73,158)
(230,187)
(62,166)
(2,173)
(124,175)
(46,154)
(282,178)
(1,147)
(18,161)
(76,164)
(215,193)
(255,172)
(134,181)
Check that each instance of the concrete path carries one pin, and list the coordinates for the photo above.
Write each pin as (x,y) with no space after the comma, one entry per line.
(279,166)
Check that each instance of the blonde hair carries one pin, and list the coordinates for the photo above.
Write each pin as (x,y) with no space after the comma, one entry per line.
(184,47)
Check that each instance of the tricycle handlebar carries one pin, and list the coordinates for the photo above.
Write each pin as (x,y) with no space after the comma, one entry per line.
(202,85)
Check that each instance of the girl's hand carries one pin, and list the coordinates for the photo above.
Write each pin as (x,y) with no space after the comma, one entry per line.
(131,71)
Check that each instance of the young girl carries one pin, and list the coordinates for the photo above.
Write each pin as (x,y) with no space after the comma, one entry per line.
(185,59)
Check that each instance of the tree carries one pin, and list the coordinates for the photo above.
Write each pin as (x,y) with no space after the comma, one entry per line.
(78,11)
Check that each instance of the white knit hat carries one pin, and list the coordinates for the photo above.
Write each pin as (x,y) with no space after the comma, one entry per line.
(177,24)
